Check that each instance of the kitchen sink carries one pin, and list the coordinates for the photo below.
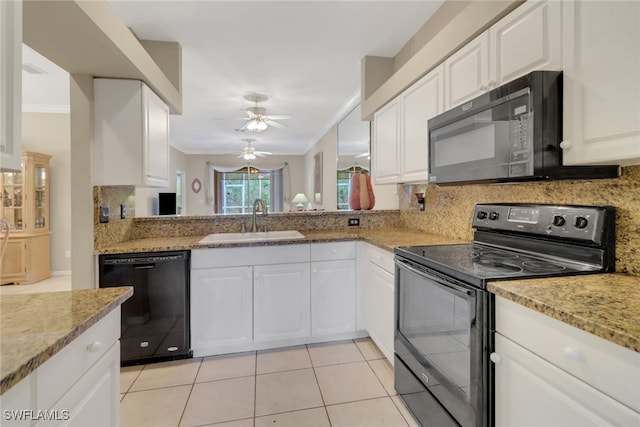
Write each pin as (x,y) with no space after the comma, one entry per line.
(259,236)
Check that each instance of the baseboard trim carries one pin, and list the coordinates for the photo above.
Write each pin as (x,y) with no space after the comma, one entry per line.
(61,273)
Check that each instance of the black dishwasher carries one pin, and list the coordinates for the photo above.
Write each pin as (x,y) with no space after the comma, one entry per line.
(155,320)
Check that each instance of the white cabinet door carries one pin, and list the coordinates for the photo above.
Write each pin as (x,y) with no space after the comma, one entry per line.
(379,308)
(131,127)
(601,63)
(527,39)
(467,72)
(385,144)
(421,102)
(95,399)
(156,139)
(333,297)
(530,391)
(221,307)
(281,302)
(10,85)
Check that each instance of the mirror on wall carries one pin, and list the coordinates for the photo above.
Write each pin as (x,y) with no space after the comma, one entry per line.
(354,137)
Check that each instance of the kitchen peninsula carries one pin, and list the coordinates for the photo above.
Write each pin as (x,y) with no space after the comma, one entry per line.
(60,352)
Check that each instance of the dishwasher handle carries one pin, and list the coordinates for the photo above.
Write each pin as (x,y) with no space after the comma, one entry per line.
(148,260)
(144,266)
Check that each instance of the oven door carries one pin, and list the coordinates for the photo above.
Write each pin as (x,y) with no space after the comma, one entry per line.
(439,337)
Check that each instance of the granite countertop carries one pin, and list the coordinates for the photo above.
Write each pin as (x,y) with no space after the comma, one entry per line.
(385,238)
(606,305)
(34,327)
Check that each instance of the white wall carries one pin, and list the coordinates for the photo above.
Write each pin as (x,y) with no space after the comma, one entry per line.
(49,133)
(146,197)
(196,166)
(328,145)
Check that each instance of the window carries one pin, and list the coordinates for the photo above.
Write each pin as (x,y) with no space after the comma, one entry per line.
(181,182)
(236,191)
(344,186)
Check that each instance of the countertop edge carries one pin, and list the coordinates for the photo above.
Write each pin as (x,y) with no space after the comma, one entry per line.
(605,330)
(12,378)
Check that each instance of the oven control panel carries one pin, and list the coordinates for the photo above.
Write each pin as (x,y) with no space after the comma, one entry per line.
(587,223)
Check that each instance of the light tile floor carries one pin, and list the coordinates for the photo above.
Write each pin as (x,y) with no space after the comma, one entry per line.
(52,284)
(338,384)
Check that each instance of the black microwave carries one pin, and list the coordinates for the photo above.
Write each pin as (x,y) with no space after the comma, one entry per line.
(511,133)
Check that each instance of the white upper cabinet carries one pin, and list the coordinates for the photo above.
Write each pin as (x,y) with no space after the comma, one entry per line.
(131,134)
(467,72)
(385,143)
(401,137)
(601,40)
(526,40)
(420,102)
(10,85)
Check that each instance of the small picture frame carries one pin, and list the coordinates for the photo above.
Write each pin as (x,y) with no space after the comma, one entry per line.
(196,185)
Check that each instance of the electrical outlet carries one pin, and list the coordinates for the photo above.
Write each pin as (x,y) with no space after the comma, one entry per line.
(104,214)
(123,211)
(67,254)
(354,222)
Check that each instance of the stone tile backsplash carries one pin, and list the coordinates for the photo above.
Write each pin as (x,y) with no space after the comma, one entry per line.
(448,209)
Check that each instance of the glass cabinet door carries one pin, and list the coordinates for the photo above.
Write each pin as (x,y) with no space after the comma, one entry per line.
(40,193)
(12,199)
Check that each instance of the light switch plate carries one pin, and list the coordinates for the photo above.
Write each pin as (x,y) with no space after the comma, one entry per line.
(104,214)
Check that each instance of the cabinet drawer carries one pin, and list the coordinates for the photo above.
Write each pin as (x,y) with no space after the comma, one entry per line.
(250,255)
(604,365)
(58,374)
(333,251)
(380,257)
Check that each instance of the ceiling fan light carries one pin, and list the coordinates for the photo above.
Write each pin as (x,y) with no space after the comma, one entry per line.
(256,126)
(249,156)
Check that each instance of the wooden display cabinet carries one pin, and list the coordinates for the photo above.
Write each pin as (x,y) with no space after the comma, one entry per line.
(24,203)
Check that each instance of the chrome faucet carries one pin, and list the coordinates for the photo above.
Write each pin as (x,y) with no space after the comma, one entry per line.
(263,206)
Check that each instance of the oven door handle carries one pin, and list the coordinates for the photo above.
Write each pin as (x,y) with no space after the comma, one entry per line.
(456,288)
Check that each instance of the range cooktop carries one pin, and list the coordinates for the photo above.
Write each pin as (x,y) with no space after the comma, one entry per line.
(525,241)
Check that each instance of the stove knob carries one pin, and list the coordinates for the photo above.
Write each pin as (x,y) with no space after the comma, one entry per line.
(494,216)
(581,222)
(558,221)
(481,215)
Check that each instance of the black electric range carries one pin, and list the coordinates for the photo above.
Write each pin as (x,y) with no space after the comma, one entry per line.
(444,314)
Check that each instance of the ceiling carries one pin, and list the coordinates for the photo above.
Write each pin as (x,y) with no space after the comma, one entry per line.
(303,55)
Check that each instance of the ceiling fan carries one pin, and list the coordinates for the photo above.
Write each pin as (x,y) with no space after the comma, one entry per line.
(250,153)
(257,119)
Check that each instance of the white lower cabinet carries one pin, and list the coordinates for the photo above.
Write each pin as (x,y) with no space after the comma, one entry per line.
(333,297)
(261,297)
(378,290)
(550,373)
(221,307)
(78,386)
(281,295)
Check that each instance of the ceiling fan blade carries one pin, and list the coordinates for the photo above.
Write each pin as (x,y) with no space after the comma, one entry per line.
(275,124)
(279,116)
(230,118)
(262,153)
(244,126)
(362,155)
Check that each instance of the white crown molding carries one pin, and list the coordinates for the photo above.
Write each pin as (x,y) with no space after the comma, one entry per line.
(42,108)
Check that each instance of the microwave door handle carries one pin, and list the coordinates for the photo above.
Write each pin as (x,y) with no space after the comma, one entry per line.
(461,291)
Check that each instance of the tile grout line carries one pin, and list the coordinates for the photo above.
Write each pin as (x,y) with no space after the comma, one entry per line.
(193,384)
(324,404)
(255,388)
